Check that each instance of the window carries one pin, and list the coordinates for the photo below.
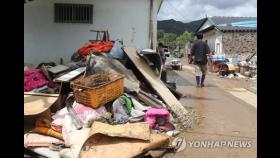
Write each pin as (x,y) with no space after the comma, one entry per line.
(73,13)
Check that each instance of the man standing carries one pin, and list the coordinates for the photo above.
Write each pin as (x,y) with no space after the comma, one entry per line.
(162,53)
(190,60)
(199,53)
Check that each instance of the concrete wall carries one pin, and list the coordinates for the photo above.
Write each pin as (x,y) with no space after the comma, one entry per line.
(239,43)
(46,41)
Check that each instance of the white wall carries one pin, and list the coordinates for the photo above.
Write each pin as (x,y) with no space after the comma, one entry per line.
(213,37)
(46,41)
(210,36)
(219,41)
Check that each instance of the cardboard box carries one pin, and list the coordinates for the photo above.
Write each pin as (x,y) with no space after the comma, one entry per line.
(243,69)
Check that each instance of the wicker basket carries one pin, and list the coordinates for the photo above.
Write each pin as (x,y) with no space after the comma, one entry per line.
(111,88)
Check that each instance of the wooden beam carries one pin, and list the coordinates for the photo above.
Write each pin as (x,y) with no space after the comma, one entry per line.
(171,101)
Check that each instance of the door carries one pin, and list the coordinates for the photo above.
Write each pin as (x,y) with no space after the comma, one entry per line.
(218,48)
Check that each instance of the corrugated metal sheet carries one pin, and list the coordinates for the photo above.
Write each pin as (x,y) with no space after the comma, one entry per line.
(217,20)
(252,23)
(235,28)
(232,24)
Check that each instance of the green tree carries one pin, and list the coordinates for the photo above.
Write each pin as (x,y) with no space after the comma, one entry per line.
(184,38)
(169,37)
(160,34)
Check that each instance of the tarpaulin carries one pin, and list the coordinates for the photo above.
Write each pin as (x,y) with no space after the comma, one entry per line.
(98,47)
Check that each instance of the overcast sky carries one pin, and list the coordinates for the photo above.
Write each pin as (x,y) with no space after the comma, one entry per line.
(189,10)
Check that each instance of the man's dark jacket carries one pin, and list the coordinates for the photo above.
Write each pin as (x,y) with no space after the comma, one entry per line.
(200,50)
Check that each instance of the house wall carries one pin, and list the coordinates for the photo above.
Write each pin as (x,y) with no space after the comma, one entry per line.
(46,41)
(239,43)
(219,44)
(212,37)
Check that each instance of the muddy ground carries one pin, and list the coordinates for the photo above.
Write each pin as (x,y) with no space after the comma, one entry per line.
(228,112)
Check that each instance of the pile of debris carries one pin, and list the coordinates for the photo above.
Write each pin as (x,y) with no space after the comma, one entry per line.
(249,66)
(230,68)
(107,102)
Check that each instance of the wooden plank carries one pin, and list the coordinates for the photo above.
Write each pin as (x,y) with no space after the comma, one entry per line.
(41,94)
(70,75)
(171,101)
(58,69)
(148,101)
(151,77)
(152,98)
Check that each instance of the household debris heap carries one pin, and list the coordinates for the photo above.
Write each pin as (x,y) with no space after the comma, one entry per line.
(108,98)
(232,67)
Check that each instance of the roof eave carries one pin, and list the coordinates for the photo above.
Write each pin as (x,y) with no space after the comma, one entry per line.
(209,28)
(239,30)
(201,24)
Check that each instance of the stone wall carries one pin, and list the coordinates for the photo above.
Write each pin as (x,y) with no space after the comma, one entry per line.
(239,43)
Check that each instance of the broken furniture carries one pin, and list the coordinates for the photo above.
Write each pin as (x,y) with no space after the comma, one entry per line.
(101,35)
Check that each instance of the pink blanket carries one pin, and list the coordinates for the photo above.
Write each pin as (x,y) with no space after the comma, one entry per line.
(34,78)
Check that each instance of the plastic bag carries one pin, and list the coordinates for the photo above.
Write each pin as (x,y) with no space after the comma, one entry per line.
(116,52)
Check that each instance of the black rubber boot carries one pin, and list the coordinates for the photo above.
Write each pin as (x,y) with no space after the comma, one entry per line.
(197,81)
(202,80)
